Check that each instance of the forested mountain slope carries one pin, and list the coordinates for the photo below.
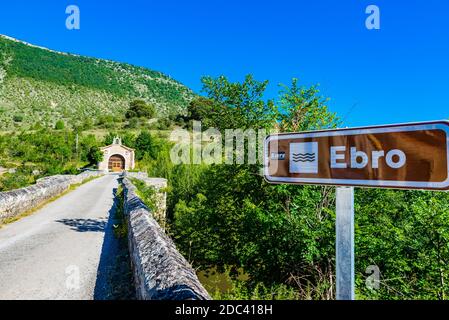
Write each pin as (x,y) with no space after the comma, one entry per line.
(42,86)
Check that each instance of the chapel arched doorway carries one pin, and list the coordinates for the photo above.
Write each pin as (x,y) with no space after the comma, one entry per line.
(116,163)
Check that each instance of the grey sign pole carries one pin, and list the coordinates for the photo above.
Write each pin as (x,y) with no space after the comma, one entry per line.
(345,243)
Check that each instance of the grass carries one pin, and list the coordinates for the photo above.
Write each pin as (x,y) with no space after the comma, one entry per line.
(120,230)
(120,275)
(72,187)
(146,193)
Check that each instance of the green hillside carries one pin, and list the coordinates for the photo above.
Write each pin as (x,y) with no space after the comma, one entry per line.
(38,85)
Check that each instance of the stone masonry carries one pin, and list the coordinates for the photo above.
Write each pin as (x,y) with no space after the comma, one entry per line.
(160,271)
(159,185)
(16,202)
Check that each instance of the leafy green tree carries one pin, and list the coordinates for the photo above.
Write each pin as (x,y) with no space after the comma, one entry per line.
(18,118)
(146,144)
(128,139)
(164,124)
(95,155)
(303,109)
(140,109)
(405,234)
(228,216)
(237,105)
(109,138)
(133,123)
(87,124)
(200,109)
(60,125)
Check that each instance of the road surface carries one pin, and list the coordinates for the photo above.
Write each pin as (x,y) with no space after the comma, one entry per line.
(64,250)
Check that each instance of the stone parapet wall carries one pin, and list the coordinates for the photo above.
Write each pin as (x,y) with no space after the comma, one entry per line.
(159,185)
(15,202)
(160,271)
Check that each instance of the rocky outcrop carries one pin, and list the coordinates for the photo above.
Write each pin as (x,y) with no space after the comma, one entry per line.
(16,202)
(160,271)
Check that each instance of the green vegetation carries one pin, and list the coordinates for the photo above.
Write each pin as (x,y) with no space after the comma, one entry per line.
(140,109)
(58,109)
(240,291)
(146,193)
(94,155)
(282,237)
(60,125)
(120,229)
(42,86)
(120,284)
(35,154)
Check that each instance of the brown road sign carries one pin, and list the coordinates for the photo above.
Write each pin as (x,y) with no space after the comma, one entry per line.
(406,156)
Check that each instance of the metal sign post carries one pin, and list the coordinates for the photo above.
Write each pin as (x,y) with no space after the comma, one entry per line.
(345,243)
(402,156)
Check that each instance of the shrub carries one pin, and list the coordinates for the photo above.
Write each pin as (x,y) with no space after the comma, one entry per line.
(60,125)
(133,123)
(164,124)
(18,118)
(94,156)
(140,109)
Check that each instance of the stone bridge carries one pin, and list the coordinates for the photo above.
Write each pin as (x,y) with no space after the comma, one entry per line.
(72,237)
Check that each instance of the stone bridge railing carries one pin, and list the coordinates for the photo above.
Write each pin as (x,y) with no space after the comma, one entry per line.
(160,271)
(160,199)
(16,202)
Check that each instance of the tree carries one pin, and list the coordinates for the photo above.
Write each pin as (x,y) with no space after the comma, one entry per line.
(164,124)
(133,123)
(60,125)
(140,109)
(146,144)
(37,126)
(94,156)
(304,109)
(18,118)
(128,139)
(228,216)
(200,109)
(87,124)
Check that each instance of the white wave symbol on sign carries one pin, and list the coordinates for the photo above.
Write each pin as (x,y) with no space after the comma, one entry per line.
(304,157)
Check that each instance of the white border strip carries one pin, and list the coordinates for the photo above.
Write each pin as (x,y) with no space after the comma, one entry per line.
(435,125)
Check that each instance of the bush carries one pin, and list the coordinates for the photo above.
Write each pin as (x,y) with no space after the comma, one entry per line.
(37,126)
(164,124)
(60,125)
(48,152)
(87,124)
(71,170)
(133,123)
(21,178)
(94,156)
(140,109)
(146,144)
(18,118)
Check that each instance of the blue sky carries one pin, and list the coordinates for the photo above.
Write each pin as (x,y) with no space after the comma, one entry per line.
(397,74)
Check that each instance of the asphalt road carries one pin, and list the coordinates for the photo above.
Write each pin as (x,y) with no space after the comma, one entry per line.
(64,250)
